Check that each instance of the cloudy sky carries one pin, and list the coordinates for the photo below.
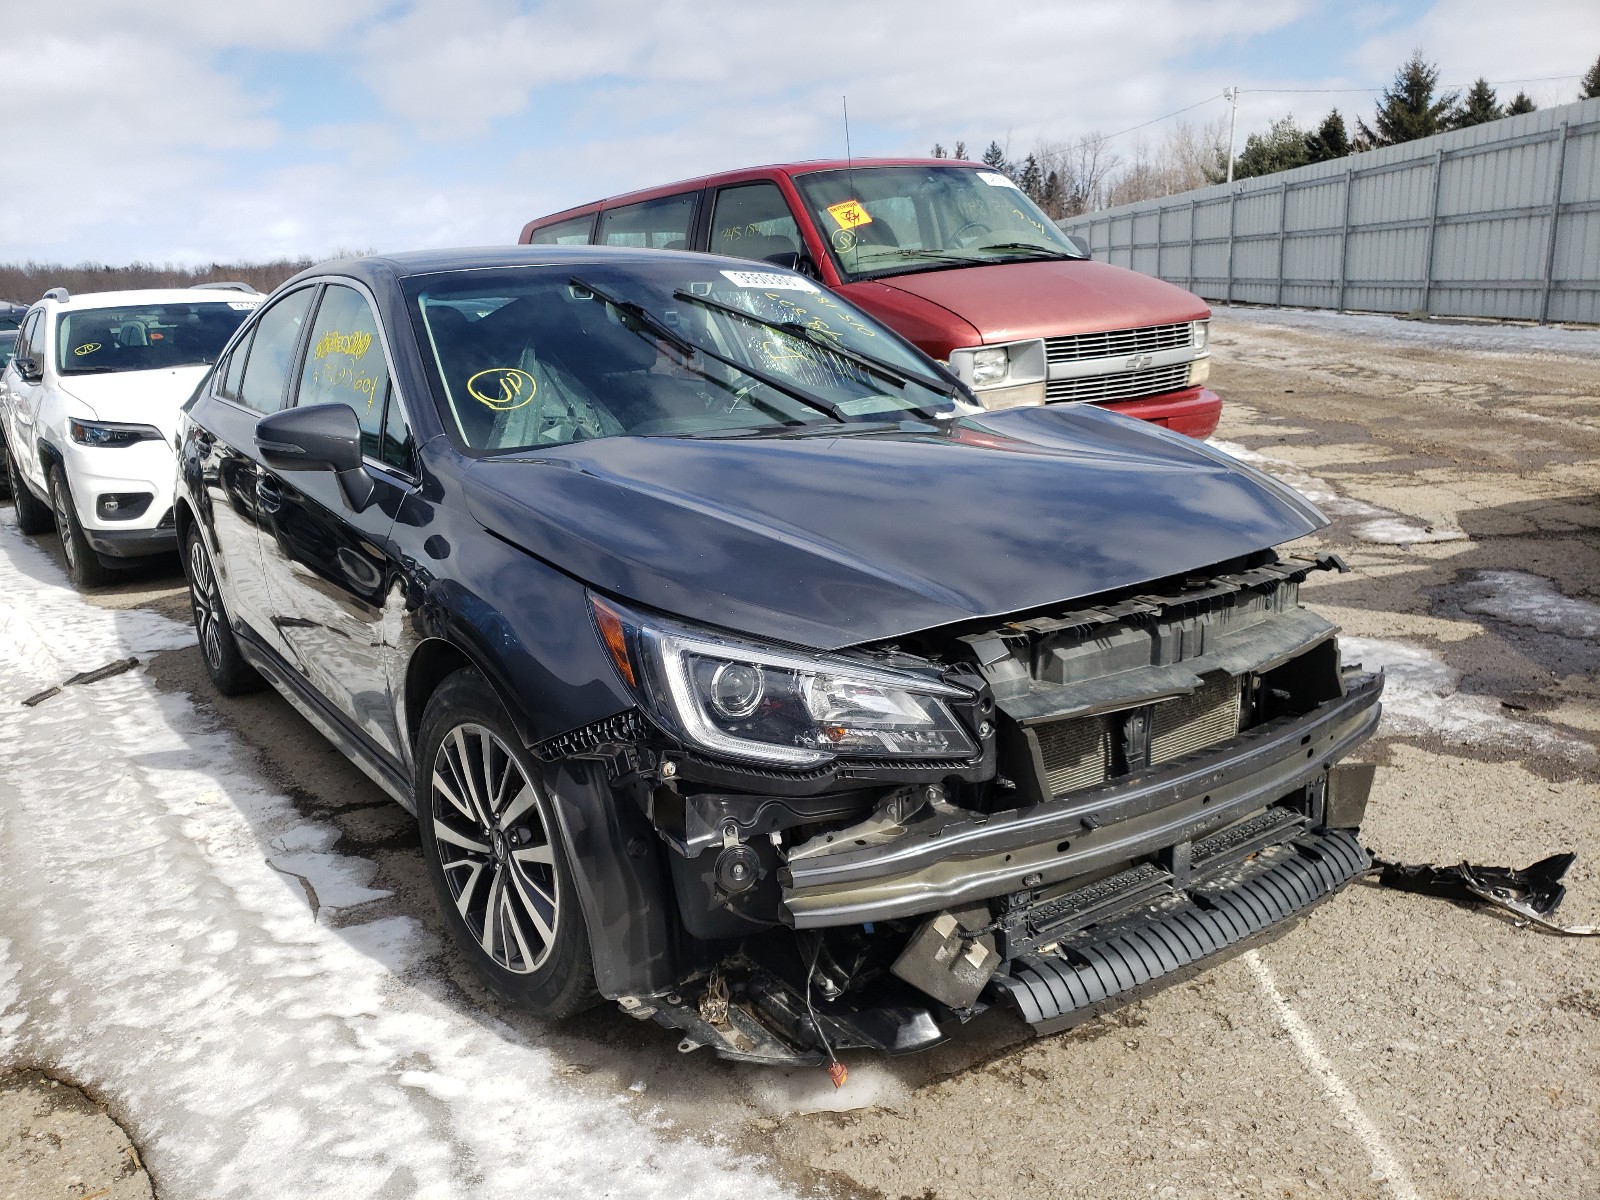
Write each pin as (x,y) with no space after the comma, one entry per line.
(188,130)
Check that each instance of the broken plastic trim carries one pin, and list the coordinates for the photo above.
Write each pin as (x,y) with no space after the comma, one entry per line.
(1531,894)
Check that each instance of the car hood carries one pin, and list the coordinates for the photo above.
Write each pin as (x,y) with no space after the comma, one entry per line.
(1016,300)
(829,541)
(136,397)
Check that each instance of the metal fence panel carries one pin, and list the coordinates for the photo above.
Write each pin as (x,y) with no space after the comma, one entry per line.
(1500,220)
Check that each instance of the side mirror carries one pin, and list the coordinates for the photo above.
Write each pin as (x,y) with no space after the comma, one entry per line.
(1081,243)
(319,437)
(30,370)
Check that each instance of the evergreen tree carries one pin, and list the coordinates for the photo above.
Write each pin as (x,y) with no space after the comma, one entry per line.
(1479,105)
(1281,148)
(1031,179)
(1330,140)
(1589,88)
(938,150)
(1409,109)
(995,158)
(1520,104)
(961,150)
(1054,200)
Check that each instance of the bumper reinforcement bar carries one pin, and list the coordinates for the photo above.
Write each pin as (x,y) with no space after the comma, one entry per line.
(1057,990)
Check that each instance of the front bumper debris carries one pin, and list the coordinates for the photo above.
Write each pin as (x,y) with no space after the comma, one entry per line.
(954,858)
(1064,983)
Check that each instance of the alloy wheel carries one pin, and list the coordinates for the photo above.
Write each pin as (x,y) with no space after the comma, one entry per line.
(207,608)
(494,848)
(60,502)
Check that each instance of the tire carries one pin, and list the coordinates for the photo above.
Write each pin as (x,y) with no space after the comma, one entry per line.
(492,850)
(219,650)
(32,516)
(84,567)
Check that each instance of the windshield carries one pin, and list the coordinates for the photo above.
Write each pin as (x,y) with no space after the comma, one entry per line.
(146,337)
(882,220)
(542,356)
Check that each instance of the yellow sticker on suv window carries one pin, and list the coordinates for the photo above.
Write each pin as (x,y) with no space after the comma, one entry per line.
(849,214)
(87,348)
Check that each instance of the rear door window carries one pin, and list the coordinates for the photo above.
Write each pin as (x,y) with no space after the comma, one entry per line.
(752,220)
(272,352)
(662,224)
(565,233)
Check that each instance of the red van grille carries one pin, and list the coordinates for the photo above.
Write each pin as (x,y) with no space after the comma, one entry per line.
(1113,342)
(1121,386)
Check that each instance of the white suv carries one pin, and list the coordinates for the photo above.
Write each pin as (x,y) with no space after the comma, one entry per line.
(89,408)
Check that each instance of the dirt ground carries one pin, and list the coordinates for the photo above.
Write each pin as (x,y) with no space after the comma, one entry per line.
(1386,1045)
(59,1143)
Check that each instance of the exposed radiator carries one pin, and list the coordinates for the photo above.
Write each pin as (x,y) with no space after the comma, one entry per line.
(1205,717)
(1077,754)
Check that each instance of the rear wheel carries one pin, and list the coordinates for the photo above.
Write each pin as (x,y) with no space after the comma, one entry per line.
(84,567)
(32,516)
(229,672)
(499,871)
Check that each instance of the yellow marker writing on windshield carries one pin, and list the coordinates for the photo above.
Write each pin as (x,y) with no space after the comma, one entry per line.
(502,388)
(87,348)
(849,214)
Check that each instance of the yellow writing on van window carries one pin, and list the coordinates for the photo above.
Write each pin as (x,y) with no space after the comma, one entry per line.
(849,214)
(87,348)
(334,342)
(502,388)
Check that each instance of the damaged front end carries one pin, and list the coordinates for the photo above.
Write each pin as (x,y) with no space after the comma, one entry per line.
(1048,813)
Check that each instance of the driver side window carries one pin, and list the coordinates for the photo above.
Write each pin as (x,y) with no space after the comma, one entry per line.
(344,364)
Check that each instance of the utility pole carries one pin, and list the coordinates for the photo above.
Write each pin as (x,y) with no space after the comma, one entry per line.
(1231,95)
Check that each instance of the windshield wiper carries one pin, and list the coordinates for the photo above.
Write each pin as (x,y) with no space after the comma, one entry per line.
(793,328)
(1046,251)
(671,336)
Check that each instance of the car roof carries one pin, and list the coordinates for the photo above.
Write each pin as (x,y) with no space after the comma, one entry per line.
(432,262)
(147,296)
(743,174)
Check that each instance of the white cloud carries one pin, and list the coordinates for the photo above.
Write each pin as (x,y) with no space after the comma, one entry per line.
(474,115)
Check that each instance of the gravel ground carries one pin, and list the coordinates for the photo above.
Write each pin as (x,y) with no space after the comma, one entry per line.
(1385,1046)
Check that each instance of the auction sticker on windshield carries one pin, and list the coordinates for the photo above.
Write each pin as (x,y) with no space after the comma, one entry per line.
(770,280)
(995,179)
(849,214)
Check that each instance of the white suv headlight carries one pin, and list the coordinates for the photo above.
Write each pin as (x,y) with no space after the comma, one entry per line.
(744,700)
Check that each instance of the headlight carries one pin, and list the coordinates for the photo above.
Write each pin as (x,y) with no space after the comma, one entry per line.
(990,366)
(108,433)
(1202,335)
(748,701)
(1199,371)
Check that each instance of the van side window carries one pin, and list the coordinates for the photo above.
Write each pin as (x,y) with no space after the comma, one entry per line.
(565,233)
(662,224)
(753,220)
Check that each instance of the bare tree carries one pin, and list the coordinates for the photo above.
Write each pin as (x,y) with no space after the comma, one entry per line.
(1081,169)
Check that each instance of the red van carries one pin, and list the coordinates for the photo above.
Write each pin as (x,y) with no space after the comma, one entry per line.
(955,258)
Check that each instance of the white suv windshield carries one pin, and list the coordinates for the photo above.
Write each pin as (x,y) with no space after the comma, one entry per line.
(890,220)
(145,337)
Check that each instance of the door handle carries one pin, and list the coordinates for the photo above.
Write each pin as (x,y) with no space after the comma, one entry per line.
(269,496)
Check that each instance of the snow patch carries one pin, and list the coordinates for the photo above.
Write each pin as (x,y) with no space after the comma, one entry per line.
(1420,696)
(1531,601)
(1518,340)
(1380,526)
(162,959)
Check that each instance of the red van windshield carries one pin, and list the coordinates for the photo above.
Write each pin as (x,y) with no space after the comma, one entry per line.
(890,220)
